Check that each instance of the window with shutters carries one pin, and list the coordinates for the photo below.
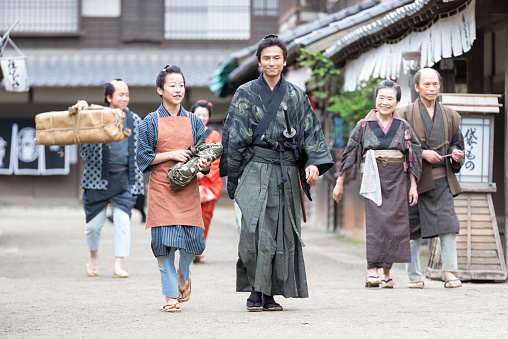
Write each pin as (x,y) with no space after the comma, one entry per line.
(36,16)
(265,7)
(207,19)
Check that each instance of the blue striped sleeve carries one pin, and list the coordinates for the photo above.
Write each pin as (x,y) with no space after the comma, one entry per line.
(148,130)
(198,129)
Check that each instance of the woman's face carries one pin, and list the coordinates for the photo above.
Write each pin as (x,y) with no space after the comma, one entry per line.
(203,114)
(386,100)
(174,89)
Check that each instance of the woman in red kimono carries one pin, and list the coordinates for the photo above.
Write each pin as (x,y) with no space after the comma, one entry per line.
(210,185)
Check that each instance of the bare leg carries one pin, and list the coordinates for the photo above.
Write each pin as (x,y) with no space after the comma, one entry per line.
(92,267)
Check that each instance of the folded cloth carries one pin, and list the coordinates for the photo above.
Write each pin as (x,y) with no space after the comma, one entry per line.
(371,186)
(182,173)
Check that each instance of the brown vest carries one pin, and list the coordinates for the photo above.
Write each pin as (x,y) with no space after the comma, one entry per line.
(451,120)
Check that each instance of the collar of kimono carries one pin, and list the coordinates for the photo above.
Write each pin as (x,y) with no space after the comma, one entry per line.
(418,127)
(372,116)
(163,112)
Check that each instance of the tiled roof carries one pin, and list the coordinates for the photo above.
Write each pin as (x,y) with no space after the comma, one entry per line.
(86,68)
(394,24)
(311,32)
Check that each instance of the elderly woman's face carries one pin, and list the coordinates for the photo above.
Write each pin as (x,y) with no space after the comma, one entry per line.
(386,100)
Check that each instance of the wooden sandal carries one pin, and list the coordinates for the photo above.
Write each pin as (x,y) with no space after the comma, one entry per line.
(171,308)
(183,291)
(416,284)
(448,284)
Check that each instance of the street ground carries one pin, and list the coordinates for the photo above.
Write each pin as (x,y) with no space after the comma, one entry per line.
(44,290)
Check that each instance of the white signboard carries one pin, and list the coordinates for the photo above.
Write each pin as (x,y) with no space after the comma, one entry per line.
(476,132)
(15,75)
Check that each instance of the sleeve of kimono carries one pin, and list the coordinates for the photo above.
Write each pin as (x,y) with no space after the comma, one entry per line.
(212,180)
(147,143)
(457,143)
(414,155)
(314,144)
(239,135)
(350,154)
(198,129)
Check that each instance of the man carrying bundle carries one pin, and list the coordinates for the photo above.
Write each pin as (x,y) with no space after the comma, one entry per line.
(111,176)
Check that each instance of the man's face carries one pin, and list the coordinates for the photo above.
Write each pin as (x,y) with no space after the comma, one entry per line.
(120,98)
(272,61)
(428,88)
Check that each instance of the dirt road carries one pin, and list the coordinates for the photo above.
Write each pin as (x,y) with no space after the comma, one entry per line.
(44,291)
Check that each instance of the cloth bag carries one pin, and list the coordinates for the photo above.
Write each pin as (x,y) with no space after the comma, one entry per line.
(182,173)
(92,126)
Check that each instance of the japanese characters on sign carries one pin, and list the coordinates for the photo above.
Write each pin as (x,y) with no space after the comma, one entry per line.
(476,132)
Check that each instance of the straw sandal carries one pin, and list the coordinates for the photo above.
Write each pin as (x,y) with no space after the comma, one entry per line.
(171,308)
(183,291)
(416,284)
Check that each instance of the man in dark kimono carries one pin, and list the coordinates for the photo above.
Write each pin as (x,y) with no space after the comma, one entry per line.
(437,128)
(264,179)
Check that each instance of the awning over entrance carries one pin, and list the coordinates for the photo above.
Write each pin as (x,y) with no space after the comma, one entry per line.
(434,29)
(90,68)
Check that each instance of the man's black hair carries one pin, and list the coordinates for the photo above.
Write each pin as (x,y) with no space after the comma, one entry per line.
(269,41)
(109,89)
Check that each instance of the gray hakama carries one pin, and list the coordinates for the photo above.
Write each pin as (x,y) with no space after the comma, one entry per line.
(270,248)
(387,226)
(435,213)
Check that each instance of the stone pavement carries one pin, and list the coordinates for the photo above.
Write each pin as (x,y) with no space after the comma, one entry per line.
(44,291)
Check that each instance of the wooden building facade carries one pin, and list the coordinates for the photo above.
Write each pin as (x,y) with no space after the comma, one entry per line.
(73,47)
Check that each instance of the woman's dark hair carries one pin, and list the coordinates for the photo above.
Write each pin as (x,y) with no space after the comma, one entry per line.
(109,89)
(269,41)
(388,84)
(168,69)
(203,103)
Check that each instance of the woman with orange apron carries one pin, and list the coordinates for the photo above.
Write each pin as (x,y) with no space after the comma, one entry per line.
(173,217)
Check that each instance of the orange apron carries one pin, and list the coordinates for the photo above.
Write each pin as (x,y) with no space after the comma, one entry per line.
(165,207)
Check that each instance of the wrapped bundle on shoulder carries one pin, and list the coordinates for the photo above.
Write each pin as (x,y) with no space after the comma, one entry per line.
(93,126)
(182,173)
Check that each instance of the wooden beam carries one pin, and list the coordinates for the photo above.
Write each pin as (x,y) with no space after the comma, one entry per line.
(506,143)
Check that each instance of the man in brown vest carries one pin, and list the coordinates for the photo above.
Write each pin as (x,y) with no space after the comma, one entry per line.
(437,128)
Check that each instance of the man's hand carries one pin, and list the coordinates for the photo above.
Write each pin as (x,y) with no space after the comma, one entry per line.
(82,105)
(457,155)
(311,174)
(431,156)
